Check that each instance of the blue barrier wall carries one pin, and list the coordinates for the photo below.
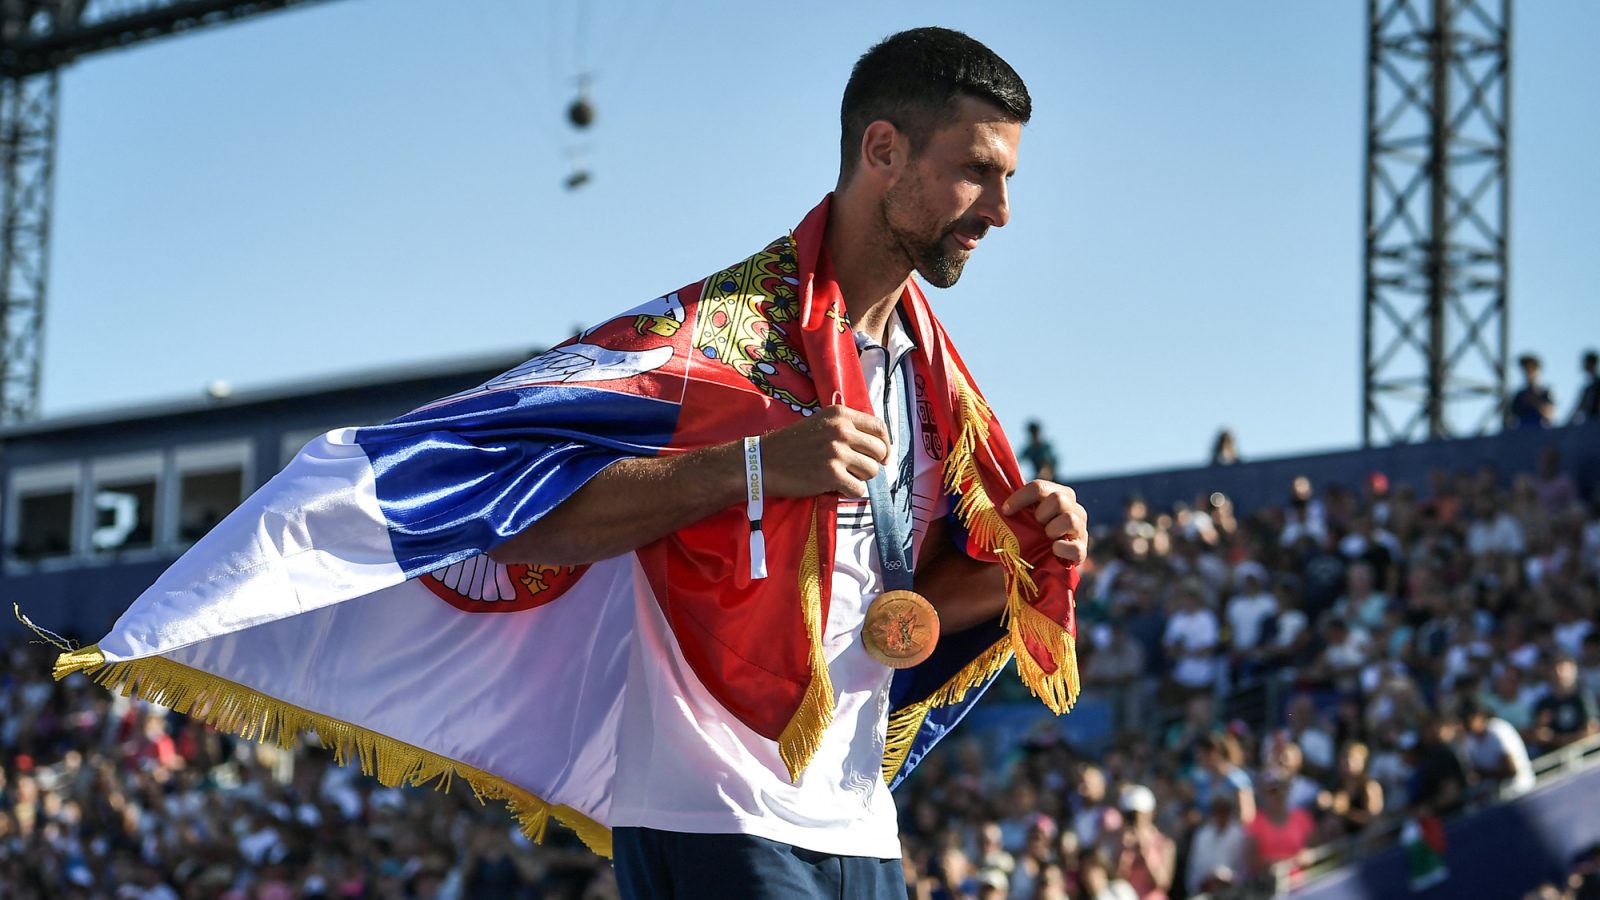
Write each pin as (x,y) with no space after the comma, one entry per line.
(1501,852)
(1253,485)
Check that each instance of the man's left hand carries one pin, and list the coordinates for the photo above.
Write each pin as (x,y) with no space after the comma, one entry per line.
(1056,507)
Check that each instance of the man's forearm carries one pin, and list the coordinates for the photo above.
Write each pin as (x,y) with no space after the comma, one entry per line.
(633,502)
(965,591)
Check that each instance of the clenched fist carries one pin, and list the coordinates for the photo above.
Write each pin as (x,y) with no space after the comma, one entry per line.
(839,449)
(1056,507)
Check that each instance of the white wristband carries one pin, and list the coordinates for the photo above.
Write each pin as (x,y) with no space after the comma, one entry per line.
(754,496)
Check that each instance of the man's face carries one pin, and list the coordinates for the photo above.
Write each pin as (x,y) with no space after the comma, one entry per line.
(954,191)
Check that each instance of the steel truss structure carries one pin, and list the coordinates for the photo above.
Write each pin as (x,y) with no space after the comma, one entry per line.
(37,38)
(27,157)
(1438,145)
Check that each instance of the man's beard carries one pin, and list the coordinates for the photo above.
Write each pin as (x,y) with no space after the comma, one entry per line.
(924,250)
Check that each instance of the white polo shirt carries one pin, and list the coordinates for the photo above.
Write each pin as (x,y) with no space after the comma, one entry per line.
(685,764)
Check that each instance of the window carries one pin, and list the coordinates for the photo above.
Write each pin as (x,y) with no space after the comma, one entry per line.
(124,503)
(43,499)
(211,484)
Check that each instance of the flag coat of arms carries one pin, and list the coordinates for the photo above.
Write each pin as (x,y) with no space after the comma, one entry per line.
(352,597)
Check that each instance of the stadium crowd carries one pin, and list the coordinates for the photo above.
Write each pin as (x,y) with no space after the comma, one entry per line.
(1426,645)
(102,797)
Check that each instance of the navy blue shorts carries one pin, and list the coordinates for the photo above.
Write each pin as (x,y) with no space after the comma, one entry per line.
(672,865)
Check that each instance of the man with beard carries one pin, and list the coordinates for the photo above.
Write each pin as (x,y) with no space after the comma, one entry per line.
(703,582)
(703,808)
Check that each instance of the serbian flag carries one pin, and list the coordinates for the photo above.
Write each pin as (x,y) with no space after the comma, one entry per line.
(351,597)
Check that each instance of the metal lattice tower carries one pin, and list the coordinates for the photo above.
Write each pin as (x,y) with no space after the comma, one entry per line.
(1438,141)
(37,38)
(27,155)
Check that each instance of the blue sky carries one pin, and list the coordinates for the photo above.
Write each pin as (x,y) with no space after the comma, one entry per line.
(366,182)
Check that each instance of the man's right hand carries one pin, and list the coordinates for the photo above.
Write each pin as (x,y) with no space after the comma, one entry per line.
(837,449)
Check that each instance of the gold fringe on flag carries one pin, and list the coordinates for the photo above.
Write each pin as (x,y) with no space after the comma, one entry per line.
(903,728)
(803,735)
(250,714)
(1058,689)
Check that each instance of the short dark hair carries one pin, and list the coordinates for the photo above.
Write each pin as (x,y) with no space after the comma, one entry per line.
(913,79)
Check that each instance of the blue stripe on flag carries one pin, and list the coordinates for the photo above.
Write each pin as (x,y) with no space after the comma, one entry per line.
(458,479)
(913,685)
(940,722)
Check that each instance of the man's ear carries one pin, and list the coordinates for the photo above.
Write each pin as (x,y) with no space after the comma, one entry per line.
(883,150)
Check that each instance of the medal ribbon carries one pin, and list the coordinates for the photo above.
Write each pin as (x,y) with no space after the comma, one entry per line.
(893,533)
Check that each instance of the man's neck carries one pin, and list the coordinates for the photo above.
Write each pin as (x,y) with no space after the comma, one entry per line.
(870,274)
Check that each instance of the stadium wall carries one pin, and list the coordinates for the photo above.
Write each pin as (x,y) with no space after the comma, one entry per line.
(1252,485)
(1502,852)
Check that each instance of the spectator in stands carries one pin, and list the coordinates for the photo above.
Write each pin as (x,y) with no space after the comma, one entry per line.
(1191,641)
(1532,406)
(1495,751)
(1588,408)
(1038,853)
(1305,516)
(1038,453)
(1589,663)
(1361,605)
(1356,800)
(1249,610)
(993,885)
(1376,547)
(1507,699)
(1114,671)
(1147,858)
(1279,832)
(1584,881)
(991,850)
(1309,732)
(1089,804)
(1095,876)
(1322,577)
(1443,503)
(1376,489)
(1217,773)
(953,874)
(1218,844)
(1568,712)
(1287,759)
(1343,656)
(1146,620)
(1556,490)
(1223,451)
(1440,779)
(1570,628)
(1290,640)
(1494,529)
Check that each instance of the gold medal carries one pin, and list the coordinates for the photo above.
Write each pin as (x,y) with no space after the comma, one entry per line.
(901,630)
